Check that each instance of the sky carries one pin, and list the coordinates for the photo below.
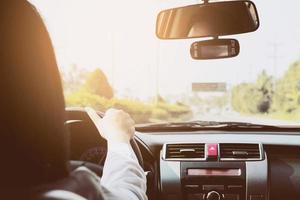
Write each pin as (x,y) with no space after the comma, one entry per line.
(119,37)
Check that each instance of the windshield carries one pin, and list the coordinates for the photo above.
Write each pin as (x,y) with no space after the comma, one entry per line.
(109,56)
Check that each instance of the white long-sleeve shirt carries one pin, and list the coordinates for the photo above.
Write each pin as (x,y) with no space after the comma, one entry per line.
(123,177)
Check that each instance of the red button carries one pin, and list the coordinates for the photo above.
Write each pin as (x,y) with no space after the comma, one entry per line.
(212,150)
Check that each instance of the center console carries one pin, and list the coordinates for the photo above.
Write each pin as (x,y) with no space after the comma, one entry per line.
(213,180)
(196,171)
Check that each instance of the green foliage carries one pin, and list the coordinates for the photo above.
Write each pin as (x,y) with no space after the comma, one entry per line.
(279,98)
(159,114)
(287,96)
(174,110)
(83,98)
(94,91)
(73,78)
(97,83)
(255,97)
(140,112)
(245,98)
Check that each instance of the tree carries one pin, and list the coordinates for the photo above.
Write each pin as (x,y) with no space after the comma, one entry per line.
(265,85)
(287,92)
(98,84)
(73,78)
(254,97)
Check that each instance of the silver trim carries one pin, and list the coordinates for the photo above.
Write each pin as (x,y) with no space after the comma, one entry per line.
(73,121)
(215,192)
(239,173)
(187,150)
(260,147)
(164,152)
(257,179)
(141,142)
(170,181)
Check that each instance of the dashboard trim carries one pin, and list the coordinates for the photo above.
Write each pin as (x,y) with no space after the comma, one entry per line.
(257,179)
(170,179)
(261,157)
(164,153)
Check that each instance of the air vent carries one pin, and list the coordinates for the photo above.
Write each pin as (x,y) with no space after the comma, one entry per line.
(240,152)
(189,151)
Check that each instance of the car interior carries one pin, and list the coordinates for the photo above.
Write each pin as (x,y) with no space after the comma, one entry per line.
(45,143)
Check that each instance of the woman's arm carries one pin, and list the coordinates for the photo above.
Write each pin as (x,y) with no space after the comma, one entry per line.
(123,177)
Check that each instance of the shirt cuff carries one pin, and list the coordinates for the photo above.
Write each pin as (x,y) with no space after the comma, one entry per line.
(121,148)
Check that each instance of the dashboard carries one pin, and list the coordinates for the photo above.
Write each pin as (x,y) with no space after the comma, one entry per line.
(205,165)
(226,165)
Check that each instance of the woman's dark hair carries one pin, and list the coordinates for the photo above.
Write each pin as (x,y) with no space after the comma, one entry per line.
(33,139)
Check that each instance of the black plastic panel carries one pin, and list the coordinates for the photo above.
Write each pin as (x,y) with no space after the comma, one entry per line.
(284,169)
(224,185)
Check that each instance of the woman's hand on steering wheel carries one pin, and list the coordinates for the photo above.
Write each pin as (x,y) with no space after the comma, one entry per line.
(115,126)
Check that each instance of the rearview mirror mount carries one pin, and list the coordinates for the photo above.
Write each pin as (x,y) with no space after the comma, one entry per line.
(215,49)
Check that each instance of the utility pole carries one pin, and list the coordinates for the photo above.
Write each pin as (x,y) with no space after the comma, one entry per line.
(157,72)
(275,56)
(113,59)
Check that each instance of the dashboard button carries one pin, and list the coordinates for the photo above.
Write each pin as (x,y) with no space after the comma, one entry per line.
(192,186)
(213,187)
(257,197)
(196,196)
(212,150)
(231,197)
(234,187)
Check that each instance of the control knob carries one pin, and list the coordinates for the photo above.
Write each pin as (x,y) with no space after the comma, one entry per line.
(213,195)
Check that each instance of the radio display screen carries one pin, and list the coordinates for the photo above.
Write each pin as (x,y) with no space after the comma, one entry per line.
(213,172)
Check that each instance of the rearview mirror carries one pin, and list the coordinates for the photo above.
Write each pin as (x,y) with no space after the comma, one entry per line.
(207,20)
(214,49)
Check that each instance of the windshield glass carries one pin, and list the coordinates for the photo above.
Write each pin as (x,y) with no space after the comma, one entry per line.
(109,56)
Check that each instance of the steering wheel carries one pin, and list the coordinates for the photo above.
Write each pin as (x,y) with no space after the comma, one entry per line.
(98,168)
(137,152)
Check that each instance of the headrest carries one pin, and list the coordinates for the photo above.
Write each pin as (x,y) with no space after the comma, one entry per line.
(33,139)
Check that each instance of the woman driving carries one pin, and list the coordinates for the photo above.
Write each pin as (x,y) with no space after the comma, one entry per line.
(34,140)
